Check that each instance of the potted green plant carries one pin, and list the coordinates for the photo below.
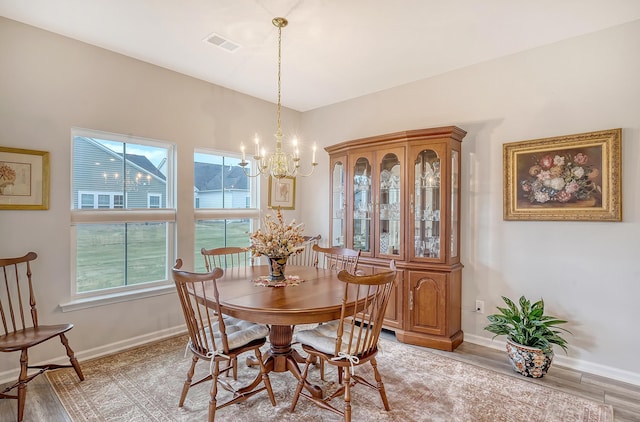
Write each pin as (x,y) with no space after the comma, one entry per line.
(530,335)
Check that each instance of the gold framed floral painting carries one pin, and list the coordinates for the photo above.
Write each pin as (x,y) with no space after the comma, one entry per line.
(568,178)
(24,179)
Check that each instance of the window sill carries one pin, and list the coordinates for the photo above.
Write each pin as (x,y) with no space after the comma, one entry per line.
(94,301)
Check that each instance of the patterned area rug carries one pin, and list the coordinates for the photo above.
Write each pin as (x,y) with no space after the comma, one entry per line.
(144,384)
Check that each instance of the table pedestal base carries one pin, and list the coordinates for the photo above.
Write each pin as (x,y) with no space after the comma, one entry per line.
(282,358)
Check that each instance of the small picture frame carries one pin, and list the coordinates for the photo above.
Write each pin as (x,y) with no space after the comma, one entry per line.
(24,179)
(565,178)
(282,193)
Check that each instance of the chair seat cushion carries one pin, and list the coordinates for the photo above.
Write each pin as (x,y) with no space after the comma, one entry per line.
(239,333)
(322,337)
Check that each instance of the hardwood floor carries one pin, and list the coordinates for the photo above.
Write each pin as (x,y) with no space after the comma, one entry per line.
(624,397)
(43,404)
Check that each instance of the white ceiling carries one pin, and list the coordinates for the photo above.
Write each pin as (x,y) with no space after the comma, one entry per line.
(332,50)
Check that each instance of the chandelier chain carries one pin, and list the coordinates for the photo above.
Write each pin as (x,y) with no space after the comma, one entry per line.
(279,164)
(279,130)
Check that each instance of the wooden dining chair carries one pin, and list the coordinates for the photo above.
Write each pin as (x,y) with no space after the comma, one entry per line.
(216,338)
(336,259)
(226,257)
(22,332)
(352,340)
(307,256)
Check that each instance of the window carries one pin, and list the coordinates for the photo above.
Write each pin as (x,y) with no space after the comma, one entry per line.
(122,218)
(100,200)
(226,203)
(154,200)
(104,201)
(87,200)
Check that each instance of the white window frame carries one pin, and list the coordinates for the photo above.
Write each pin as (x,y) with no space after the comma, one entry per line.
(229,213)
(119,216)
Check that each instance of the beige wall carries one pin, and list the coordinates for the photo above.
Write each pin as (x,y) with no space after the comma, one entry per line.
(49,84)
(584,271)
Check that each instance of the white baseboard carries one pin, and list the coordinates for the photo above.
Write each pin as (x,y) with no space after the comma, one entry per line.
(107,349)
(567,362)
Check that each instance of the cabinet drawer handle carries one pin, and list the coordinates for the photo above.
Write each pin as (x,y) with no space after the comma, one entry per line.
(411,301)
(411,204)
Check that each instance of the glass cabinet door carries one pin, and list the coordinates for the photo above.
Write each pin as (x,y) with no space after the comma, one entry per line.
(426,197)
(455,193)
(389,228)
(362,205)
(338,204)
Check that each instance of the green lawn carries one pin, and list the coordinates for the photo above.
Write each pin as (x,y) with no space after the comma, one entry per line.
(211,234)
(101,252)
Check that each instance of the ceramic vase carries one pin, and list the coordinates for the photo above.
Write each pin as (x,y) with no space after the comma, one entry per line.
(529,361)
(276,267)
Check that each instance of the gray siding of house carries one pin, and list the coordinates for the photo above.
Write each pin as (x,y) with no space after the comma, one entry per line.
(234,199)
(87,154)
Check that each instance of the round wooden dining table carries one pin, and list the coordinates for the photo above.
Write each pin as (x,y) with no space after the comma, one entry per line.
(316,298)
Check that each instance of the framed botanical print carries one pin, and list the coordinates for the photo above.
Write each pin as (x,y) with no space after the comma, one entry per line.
(24,179)
(282,193)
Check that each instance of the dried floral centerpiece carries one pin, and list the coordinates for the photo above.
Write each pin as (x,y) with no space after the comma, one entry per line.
(277,240)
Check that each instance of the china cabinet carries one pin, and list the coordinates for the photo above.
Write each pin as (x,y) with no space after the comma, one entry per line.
(397,196)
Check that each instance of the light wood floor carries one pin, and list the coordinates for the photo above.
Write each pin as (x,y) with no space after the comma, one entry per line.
(43,404)
(624,397)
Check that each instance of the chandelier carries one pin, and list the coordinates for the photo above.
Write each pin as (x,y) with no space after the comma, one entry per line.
(280,163)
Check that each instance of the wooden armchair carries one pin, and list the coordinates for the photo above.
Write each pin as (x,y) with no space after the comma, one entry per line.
(350,341)
(20,331)
(307,256)
(216,338)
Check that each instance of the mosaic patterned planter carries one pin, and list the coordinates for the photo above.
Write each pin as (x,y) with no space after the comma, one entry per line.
(529,361)
(276,267)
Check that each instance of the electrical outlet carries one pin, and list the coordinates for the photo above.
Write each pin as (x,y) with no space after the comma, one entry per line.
(480,306)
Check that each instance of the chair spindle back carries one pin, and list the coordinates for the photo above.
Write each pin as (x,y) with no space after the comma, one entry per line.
(195,291)
(17,298)
(306,257)
(360,325)
(227,257)
(336,258)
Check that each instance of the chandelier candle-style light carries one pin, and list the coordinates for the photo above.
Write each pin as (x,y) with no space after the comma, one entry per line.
(280,163)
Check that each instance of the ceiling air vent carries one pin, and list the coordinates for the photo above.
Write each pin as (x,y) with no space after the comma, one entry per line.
(222,42)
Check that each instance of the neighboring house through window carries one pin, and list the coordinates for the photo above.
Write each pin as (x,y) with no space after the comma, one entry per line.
(225,201)
(123,213)
(89,200)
